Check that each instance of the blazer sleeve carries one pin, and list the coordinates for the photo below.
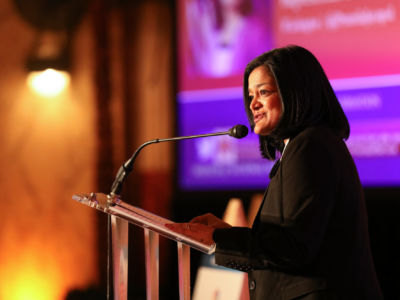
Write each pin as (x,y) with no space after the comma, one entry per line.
(295,214)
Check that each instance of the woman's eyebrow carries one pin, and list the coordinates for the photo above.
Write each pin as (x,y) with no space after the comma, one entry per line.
(260,85)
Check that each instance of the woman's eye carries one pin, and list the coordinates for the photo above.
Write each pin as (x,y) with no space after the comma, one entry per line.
(251,97)
(264,92)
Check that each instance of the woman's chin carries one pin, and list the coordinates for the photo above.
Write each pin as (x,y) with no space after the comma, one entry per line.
(261,131)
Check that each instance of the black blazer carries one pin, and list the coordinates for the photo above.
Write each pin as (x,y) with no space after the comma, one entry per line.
(310,237)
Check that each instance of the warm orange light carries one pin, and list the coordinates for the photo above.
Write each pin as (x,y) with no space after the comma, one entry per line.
(30,286)
(31,273)
(30,278)
(48,83)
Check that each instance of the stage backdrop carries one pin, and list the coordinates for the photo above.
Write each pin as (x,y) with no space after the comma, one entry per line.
(356,42)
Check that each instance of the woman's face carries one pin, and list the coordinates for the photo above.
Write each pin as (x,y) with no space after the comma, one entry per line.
(265,103)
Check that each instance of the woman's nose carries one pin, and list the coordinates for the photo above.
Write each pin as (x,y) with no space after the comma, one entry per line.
(255,104)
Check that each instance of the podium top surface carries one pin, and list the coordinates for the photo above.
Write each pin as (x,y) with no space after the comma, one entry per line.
(113,205)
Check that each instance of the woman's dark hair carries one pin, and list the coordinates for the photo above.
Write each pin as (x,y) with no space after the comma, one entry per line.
(306,94)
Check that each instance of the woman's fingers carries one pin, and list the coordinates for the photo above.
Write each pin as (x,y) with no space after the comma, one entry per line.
(210,220)
(199,232)
(178,227)
(203,219)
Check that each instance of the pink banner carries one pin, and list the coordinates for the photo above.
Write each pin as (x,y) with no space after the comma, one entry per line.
(350,38)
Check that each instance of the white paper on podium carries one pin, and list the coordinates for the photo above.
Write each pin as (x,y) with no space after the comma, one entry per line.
(218,284)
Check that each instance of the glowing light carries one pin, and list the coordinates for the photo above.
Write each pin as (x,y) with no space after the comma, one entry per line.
(48,83)
(29,282)
(32,287)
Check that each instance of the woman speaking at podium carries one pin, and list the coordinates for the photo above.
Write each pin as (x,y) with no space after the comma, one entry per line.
(310,237)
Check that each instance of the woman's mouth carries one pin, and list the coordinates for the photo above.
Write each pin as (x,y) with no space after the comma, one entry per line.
(258,117)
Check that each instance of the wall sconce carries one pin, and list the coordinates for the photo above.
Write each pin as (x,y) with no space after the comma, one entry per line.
(48,83)
(48,60)
(48,63)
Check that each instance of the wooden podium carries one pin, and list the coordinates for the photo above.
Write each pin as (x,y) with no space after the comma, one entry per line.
(153,225)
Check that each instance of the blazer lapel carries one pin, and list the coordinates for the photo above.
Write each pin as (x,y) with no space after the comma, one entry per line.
(271,174)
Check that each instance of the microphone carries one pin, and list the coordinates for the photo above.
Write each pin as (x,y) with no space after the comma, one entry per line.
(237,131)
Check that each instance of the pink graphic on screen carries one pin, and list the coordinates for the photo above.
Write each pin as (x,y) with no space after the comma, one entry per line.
(218,39)
(350,38)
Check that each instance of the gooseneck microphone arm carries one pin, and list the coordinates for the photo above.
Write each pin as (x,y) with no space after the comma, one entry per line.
(238,131)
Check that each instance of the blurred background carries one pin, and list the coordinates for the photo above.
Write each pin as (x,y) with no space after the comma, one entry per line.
(83,83)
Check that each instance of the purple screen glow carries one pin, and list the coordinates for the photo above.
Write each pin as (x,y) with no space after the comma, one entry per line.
(365,77)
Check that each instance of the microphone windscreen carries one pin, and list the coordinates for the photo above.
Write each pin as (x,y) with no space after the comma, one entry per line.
(238,131)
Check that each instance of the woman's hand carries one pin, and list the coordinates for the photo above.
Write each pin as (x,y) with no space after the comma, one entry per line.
(197,231)
(210,220)
(200,228)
